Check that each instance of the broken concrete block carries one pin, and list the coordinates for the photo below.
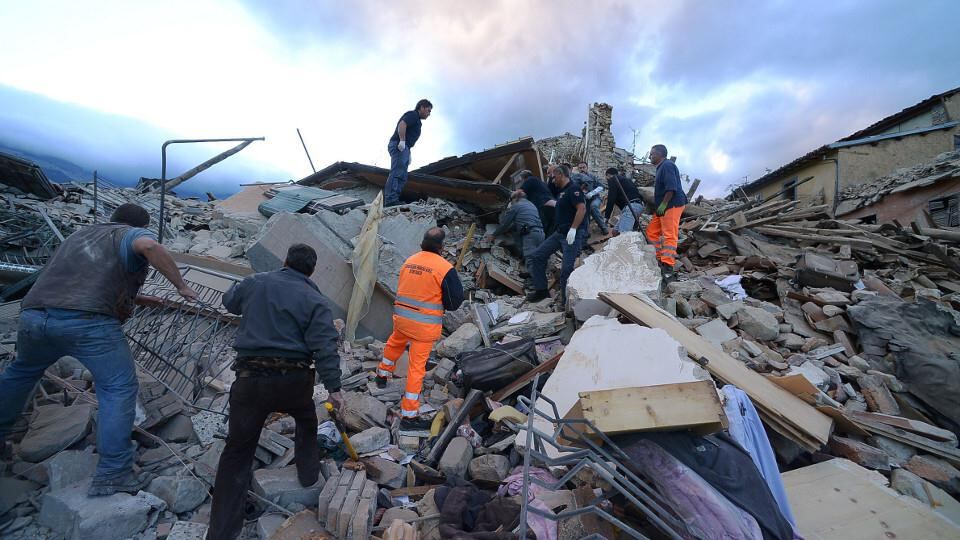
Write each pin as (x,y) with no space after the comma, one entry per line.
(490,467)
(187,530)
(398,512)
(540,325)
(759,323)
(456,458)
(443,371)
(370,440)
(178,429)
(55,428)
(282,487)
(898,452)
(70,467)
(268,524)
(466,338)
(301,525)
(816,375)
(71,513)
(626,264)
(207,463)
(14,491)
(910,484)
(728,310)
(385,472)
(361,521)
(181,493)
(687,289)
(716,332)
(362,411)
(937,471)
(860,453)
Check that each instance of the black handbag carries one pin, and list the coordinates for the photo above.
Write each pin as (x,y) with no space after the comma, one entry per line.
(494,367)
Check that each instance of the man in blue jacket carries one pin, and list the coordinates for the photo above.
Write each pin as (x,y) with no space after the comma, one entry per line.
(404,136)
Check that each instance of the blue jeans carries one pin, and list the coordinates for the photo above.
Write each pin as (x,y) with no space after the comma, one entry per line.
(626,217)
(399,162)
(98,342)
(538,270)
(593,207)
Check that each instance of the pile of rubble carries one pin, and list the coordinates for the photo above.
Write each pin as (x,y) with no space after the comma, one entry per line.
(944,166)
(560,421)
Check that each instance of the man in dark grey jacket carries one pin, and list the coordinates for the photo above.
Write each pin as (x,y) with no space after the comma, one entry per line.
(523,219)
(286,326)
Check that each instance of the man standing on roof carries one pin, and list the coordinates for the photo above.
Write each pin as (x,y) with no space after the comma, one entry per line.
(405,135)
(428,285)
(569,236)
(75,309)
(286,326)
(537,192)
(668,201)
(625,196)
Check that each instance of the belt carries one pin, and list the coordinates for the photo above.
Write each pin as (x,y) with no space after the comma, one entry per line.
(246,373)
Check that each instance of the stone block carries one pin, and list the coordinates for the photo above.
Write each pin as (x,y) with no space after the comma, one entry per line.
(370,440)
(937,471)
(427,506)
(300,526)
(14,491)
(686,289)
(758,323)
(207,463)
(385,472)
(70,467)
(360,522)
(490,467)
(181,493)
(72,514)
(55,428)
(282,487)
(362,411)
(860,453)
(397,512)
(716,332)
(268,524)
(326,495)
(187,530)
(464,339)
(456,458)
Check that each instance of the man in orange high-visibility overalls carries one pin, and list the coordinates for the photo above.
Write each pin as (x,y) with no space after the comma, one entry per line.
(428,285)
(668,201)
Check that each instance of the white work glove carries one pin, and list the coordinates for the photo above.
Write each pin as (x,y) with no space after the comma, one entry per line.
(402,145)
(571,236)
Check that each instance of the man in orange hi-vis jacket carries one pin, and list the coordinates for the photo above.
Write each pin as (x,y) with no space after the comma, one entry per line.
(668,201)
(428,285)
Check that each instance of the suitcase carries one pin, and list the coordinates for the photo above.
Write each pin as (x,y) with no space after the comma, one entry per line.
(814,270)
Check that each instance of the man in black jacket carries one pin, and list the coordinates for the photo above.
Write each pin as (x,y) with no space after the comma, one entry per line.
(286,326)
(625,196)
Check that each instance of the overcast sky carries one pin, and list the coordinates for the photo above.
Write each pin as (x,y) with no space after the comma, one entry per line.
(731,87)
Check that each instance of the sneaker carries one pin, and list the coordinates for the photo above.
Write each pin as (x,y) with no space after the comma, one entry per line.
(416,423)
(537,296)
(126,483)
(381,382)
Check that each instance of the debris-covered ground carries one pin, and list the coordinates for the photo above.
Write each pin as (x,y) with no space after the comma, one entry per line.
(842,337)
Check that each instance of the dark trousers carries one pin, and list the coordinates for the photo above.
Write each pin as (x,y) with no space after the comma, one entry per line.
(539,258)
(252,399)
(547,215)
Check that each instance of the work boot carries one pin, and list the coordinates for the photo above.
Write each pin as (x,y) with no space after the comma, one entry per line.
(538,295)
(380,381)
(126,483)
(417,423)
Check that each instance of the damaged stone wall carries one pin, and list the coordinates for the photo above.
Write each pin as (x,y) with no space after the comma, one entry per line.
(595,144)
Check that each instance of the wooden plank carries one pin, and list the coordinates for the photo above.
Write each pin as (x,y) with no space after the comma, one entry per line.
(516,385)
(914,426)
(769,397)
(694,405)
(840,499)
(466,246)
(415,491)
(505,167)
(929,446)
(501,277)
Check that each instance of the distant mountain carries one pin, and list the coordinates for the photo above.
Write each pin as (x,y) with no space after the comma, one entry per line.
(57,169)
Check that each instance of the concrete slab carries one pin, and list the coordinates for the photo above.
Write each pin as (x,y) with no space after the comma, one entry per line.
(71,513)
(626,264)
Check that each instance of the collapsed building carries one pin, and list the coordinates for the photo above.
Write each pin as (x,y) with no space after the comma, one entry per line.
(797,380)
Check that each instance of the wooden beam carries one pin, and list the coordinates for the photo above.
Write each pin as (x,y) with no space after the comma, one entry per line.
(516,385)
(785,409)
(466,246)
(505,167)
(501,277)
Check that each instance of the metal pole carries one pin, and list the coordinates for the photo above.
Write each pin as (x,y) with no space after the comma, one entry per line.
(163,169)
(306,151)
(95,217)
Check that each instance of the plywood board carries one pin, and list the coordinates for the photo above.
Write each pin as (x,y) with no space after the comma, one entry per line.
(770,399)
(840,499)
(694,405)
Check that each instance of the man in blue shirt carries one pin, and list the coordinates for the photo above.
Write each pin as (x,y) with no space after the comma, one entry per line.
(569,236)
(668,200)
(76,308)
(404,136)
